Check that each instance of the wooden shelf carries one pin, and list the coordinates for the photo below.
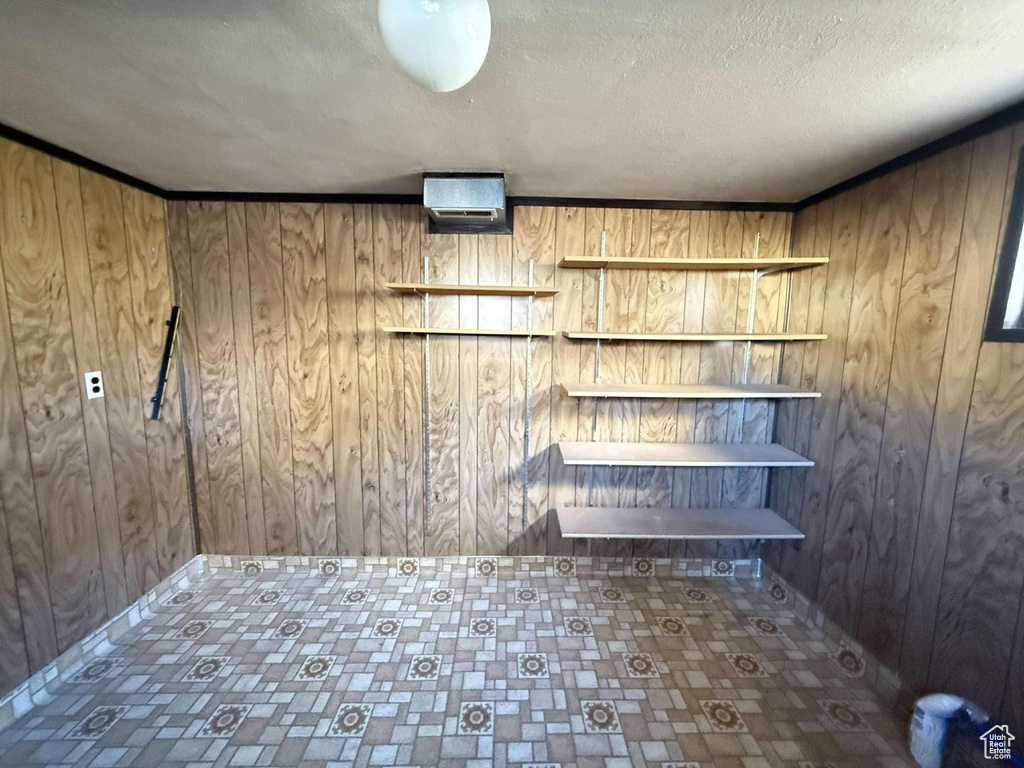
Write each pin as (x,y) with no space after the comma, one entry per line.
(608,336)
(688,391)
(624,262)
(681,455)
(466,331)
(622,523)
(472,290)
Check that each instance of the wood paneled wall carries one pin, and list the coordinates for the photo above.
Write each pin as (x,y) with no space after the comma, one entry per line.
(914,512)
(93,496)
(308,418)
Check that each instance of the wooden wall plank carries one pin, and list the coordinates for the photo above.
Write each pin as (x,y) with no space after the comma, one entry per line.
(412,313)
(797,479)
(87,354)
(845,233)
(111,284)
(689,368)
(469,258)
(248,410)
(367,350)
(638,240)
(586,477)
(493,388)
(387,267)
(664,313)
(936,218)
(612,413)
(977,248)
(791,368)
(305,292)
(983,575)
(565,411)
(535,239)
(193,424)
(13,652)
(17,485)
(725,231)
(44,353)
(442,538)
(339,223)
(271,367)
(146,242)
(226,529)
(880,257)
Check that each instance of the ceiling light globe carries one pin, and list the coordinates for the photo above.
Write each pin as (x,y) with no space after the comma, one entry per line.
(441,44)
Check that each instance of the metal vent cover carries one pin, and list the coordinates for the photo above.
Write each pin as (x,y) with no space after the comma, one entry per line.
(466,203)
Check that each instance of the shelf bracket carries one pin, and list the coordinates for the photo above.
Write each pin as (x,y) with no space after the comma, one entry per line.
(597,364)
(529,394)
(428,494)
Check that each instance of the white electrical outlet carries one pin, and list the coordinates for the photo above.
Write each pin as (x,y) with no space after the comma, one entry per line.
(93,385)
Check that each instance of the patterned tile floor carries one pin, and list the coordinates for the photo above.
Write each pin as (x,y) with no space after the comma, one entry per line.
(442,668)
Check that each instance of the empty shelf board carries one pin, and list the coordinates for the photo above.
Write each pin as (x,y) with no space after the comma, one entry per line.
(640,523)
(681,455)
(625,262)
(466,331)
(613,336)
(472,290)
(688,391)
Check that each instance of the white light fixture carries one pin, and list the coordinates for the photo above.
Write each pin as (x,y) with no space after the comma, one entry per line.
(441,44)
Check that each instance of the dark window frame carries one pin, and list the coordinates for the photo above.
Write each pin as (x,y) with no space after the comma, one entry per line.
(994,330)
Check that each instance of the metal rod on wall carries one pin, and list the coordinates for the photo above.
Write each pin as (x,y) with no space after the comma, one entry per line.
(165,362)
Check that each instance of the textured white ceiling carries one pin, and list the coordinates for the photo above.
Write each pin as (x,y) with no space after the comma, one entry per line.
(700,100)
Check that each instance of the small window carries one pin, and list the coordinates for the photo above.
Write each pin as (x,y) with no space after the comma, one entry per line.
(1006,312)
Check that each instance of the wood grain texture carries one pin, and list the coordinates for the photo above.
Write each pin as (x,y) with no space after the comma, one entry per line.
(193,425)
(565,410)
(111,283)
(248,410)
(469,361)
(13,653)
(984,568)
(493,397)
(939,586)
(866,372)
(844,233)
(94,506)
(803,235)
(271,369)
(412,400)
(341,300)
(40,318)
(535,239)
(19,494)
(936,217)
(664,312)
(145,236)
(977,248)
(387,267)
(87,353)
(304,260)
(442,536)
(367,358)
(226,529)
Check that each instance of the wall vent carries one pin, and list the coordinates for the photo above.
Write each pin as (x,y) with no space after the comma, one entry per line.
(466,203)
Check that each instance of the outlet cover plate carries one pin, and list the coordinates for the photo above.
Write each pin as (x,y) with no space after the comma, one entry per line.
(93,385)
